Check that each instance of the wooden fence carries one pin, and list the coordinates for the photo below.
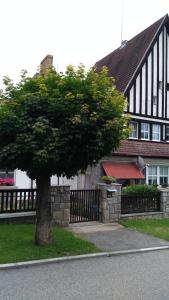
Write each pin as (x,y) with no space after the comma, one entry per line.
(17,200)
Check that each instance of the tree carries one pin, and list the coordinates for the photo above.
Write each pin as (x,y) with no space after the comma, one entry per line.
(58,123)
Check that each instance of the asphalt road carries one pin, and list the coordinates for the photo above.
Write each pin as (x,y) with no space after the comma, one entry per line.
(142,276)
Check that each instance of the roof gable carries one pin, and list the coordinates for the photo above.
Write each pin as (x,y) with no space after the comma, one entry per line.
(124,62)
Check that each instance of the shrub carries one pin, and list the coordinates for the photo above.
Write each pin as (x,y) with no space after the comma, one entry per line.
(108,179)
(140,189)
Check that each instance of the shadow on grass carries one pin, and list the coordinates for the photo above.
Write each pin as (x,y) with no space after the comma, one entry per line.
(17,244)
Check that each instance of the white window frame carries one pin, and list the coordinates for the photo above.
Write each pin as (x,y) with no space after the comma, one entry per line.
(158,173)
(6,173)
(145,131)
(151,176)
(163,175)
(156,132)
(130,136)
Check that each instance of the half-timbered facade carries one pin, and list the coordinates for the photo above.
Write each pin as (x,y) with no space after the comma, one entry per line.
(141,70)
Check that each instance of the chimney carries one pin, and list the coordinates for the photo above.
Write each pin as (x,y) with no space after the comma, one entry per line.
(46,63)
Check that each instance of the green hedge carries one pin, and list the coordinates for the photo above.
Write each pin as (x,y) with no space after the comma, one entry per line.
(140,189)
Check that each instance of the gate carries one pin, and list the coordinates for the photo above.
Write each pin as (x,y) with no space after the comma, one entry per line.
(84,205)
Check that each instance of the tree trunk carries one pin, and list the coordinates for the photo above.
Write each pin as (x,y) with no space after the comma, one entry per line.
(43,235)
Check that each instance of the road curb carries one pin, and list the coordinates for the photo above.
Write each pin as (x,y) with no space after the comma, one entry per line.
(141,250)
(50,260)
(77,257)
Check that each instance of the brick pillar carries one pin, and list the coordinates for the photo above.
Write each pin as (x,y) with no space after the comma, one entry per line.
(164,201)
(110,202)
(60,203)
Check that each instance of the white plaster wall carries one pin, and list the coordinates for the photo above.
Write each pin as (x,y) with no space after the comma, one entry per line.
(131,95)
(81,181)
(149,83)
(64,181)
(168,57)
(164,71)
(143,88)
(155,71)
(155,78)
(138,94)
(22,181)
(168,75)
(160,57)
(160,77)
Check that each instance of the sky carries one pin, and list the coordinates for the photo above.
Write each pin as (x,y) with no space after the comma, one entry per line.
(73,31)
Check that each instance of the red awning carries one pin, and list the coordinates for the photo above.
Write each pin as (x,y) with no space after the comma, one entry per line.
(122,170)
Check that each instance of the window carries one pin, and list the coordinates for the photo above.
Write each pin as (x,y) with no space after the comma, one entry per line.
(6,174)
(158,175)
(167,133)
(145,131)
(134,130)
(163,175)
(156,132)
(152,175)
(6,177)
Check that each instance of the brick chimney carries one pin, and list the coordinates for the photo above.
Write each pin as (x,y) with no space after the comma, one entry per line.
(46,63)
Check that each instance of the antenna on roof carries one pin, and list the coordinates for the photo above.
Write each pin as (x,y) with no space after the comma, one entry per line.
(121,22)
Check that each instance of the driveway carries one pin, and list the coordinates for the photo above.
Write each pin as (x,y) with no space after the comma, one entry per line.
(115,237)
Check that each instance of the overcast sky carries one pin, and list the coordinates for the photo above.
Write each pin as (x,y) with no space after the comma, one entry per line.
(73,31)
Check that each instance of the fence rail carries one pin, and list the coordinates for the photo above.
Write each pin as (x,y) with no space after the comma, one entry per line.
(17,200)
(84,205)
(140,203)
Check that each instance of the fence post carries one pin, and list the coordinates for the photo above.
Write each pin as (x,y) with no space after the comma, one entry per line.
(110,202)
(60,205)
(164,201)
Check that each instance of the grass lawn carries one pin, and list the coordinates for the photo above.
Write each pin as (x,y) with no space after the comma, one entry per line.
(155,227)
(16,244)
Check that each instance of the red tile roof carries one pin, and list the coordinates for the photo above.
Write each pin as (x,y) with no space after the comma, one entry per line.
(142,148)
(124,61)
(122,170)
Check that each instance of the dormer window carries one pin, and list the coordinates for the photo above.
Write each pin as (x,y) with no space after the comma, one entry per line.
(134,130)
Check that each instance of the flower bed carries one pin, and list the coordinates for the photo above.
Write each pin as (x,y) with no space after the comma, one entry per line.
(6,181)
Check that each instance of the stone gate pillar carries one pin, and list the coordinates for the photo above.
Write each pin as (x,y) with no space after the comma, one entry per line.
(164,201)
(110,202)
(60,205)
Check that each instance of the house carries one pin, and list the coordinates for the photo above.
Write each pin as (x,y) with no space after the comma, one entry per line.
(140,67)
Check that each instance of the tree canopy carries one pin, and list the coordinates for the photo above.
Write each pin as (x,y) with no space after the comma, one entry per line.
(59,123)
